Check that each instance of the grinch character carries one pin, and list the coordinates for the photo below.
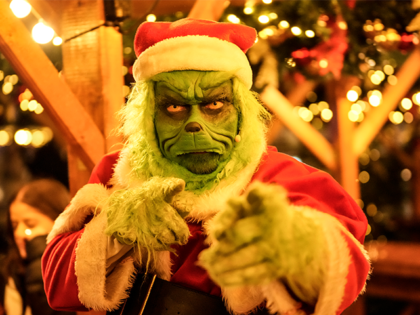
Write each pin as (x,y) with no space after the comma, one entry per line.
(196,198)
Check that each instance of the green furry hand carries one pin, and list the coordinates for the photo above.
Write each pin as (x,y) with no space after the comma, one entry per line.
(260,237)
(143,216)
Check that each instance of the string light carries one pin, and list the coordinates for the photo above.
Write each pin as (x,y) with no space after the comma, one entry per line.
(323,63)
(267,1)
(273,15)
(7,88)
(233,18)
(57,41)
(396,117)
(23,137)
(326,114)
(388,69)
(406,104)
(4,137)
(353,115)
(375,154)
(314,109)
(364,177)
(284,24)
(408,117)
(20,8)
(42,33)
(296,30)
(371,210)
(264,19)
(151,18)
(310,33)
(352,95)
(392,80)
(416,98)
(24,105)
(248,10)
(406,174)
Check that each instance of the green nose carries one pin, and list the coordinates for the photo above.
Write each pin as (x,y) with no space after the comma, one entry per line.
(193,127)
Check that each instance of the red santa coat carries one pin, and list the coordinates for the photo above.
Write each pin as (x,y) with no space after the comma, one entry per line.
(345,226)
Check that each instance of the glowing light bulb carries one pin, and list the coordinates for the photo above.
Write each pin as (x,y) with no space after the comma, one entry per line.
(352,96)
(326,114)
(353,115)
(310,33)
(38,138)
(57,41)
(248,10)
(388,69)
(4,137)
(23,137)
(406,103)
(284,24)
(263,19)
(42,33)
(28,232)
(233,18)
(296,31)
(20,8)
(151,18)
(323,63)
(416,98)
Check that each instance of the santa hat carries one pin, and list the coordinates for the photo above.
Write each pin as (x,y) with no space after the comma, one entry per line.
(190,44)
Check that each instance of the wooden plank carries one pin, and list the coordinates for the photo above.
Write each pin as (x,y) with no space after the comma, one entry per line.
(392,95)
(348,160)
(92,65)
(304,131)
(50,11)
(208,9)
(41,77)
(295,96)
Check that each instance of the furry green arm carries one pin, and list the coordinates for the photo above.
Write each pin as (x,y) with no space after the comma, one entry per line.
(143,216)
(260,237)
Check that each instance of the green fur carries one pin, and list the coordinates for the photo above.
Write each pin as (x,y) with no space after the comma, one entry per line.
(143,215)
(142,148)
(261,238)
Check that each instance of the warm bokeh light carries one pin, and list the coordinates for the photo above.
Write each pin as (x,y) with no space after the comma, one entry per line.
(267,1)
(4,137)
(284,24)
(7,88)
(375,100)
(233,18)
(406,103)
(305,114)
(396,117)
(352,96)
(375,79)
(326,114)
(368,230)
(42,33)
(416,98)
(38,138)
(371,210)
(392,80)
(353,115)
(57,41)
(20,8)
(23,137)
(314,109)
(408,117)
(39,109)
(310,33)
(357,108)
(406,174)
(151,18)
(388,69)
(296,30)
(364,177)
(263,19)
(323,105)
(248,10)
(28,232)
(323,63)
(273,15)
(32,105)
(24,105)
(375,154)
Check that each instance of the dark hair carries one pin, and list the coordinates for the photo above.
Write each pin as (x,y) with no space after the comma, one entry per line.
(48,196)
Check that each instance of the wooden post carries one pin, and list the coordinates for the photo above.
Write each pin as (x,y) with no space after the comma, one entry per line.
(40,76)
(92,66)
(348,160)
(295,96)
(309,136)
(369,128)
(208,9)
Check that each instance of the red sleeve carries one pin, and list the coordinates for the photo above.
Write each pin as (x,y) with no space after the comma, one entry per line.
(60,281)
(58,260)
(318,190)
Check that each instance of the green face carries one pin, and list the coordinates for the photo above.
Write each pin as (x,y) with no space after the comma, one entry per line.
(196,122)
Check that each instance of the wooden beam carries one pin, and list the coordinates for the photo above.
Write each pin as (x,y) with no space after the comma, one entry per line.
(392,95)
(40,76)
(295,96)
(92,66)
(50,12)
(208,9)
(304,131)
(348,160)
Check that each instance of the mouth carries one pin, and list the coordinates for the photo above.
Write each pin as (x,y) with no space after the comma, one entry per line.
(198,152)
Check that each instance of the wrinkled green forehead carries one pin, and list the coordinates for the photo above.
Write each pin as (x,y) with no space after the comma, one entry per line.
(183,81)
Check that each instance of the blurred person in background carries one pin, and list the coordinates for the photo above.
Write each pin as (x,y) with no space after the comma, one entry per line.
(31,216)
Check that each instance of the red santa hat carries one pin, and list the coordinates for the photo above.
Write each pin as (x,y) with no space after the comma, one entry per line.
(190,44)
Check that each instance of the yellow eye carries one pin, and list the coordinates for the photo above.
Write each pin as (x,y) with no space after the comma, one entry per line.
(175,108)
(215,105)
